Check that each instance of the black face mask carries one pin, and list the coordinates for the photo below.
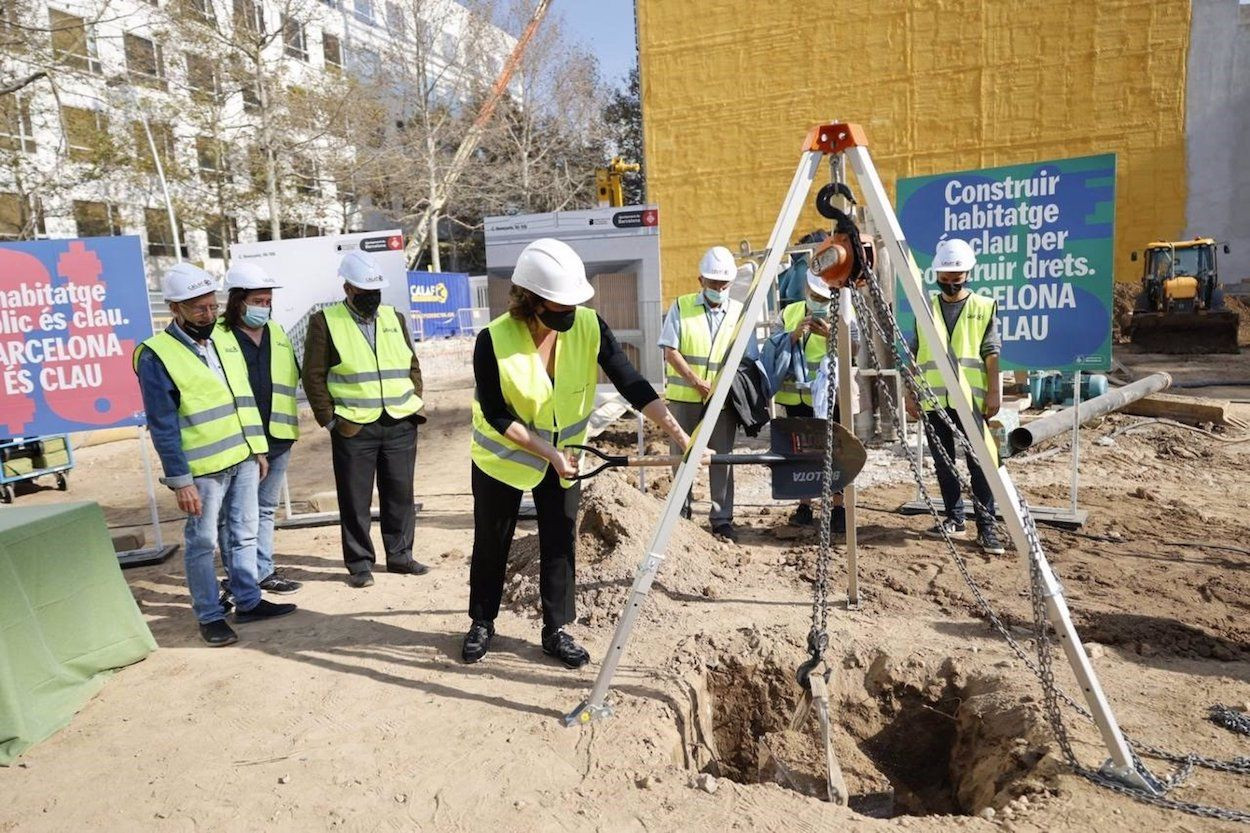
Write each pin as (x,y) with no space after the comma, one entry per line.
(561,322)
(199,332)
(367,302)
(952,289)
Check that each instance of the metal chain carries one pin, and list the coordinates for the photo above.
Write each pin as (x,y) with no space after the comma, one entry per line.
(1231,719)
(818,638)
(907,368)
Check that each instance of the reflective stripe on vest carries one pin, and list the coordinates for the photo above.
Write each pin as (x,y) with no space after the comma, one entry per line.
(697,347)
(214,434)
(814,348)
(963,345)
(369,379)
(284,377)
(559,412)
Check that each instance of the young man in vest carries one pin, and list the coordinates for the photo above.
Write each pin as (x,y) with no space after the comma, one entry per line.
(809,328)
(363,383)
(696,336)
(970,324)
(206,429)
(273,376)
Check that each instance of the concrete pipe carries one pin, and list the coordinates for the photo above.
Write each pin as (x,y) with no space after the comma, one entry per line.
(1061,421)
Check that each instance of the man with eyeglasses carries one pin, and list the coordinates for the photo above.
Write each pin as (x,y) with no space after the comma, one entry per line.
(211,440)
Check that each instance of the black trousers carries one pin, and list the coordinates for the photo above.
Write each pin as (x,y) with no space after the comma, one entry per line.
(495,508)
(385,450)
(948,478)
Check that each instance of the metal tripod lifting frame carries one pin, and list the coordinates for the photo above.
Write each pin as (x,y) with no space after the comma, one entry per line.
(849,141)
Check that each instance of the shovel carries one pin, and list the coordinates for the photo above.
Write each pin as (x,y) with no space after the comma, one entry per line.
(796,456)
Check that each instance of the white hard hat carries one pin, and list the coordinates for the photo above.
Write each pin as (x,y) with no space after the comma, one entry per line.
(362,271)
(249,275)
(183,281)
(953,256)
(552,270)
(818,286)
(718,264)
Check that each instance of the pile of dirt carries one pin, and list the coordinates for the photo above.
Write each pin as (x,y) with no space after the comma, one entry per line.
(613,532)
(1242,308)
(1123,300)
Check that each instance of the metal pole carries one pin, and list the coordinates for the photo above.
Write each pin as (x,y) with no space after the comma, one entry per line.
(1121,765)
(847,418)
(593,707)
(147,475)
(286,495)
(1076,437)
(1055,424)
(160,175)
(642,451)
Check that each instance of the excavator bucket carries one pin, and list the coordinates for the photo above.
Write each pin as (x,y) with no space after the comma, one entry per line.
(1204,331)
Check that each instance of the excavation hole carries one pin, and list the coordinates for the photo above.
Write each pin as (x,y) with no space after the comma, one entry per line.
(915,738)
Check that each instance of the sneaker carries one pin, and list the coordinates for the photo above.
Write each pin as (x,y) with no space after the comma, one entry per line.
(837,520)
(364,579)
(412,568)
(953,529)
(477,641)
(263,610)
(726,531)
(218,634)
(560,645)
(802,516)
(282,586)
(987,538)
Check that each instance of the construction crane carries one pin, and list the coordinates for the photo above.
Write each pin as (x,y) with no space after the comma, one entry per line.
(609,182)
(472,137)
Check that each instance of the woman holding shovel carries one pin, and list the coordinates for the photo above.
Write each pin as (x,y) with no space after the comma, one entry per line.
(535,369)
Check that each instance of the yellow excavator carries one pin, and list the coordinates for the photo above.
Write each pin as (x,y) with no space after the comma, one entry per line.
(1180,308)
(609,181)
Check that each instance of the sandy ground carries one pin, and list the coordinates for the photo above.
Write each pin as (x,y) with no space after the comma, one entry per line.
(356,713)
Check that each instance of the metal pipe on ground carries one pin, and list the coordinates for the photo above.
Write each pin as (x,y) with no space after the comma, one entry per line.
(1061,421)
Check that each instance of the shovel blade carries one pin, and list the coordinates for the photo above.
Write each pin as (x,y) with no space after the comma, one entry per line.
(796,435)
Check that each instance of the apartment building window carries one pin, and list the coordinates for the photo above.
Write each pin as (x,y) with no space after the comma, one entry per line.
(144,61)
(396,21)
(293,39)
(97,219)
(86,133)
(289,230)
(163,138)
(332,47)
(249,17)
(251,97)
(366,62)
(364,11)
(209,152)
(15,129)
(222,231)
(201,10)
(73,42)
(160,239)
(21,218)
(202,75)
(304,177)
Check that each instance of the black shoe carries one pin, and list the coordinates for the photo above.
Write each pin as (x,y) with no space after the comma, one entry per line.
(802,516)
(560,645)
(364,579)
(263,610)
(218,634)
(686,513)
(987,538)
(726,531)
(837,520)
(477,640)
(282,586)
(412,568)
(954,529)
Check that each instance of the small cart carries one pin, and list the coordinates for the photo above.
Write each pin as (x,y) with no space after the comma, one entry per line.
(29,457)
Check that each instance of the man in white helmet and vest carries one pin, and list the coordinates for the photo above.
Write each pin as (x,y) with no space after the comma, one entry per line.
(969,324)
(363,383)
(697,333)
(209,436)
(535,368)
(273,375)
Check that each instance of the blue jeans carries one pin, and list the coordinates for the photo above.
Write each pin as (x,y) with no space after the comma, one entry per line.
(228,495)
(267,496)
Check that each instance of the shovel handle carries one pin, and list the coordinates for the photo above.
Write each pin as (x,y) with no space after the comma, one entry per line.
(611,461)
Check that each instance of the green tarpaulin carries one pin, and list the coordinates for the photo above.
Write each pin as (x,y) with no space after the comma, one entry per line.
(66,619)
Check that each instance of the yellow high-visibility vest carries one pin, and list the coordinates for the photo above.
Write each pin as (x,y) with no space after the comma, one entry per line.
(813,352)
(218,420)
(367,378)
(284,407)
(696,345)
(559,412)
